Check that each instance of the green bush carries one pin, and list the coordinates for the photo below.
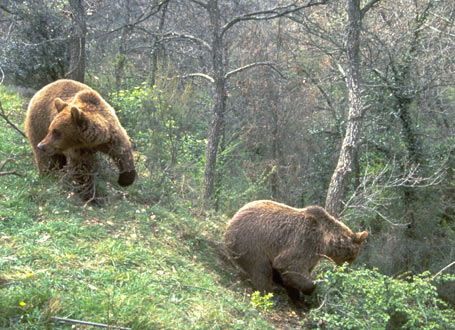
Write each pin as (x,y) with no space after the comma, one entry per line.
(359,298)
(167,130)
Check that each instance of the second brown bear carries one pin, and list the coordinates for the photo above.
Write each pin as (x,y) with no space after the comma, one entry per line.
(277,244)
(67,123)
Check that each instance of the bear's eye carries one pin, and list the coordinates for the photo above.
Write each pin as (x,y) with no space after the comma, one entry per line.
(56,133)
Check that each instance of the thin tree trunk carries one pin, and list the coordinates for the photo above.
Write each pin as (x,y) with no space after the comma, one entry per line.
(351,140)
(156,47)
(219,103)
(77,42)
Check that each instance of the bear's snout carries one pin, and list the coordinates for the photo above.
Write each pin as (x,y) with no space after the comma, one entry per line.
(46,148)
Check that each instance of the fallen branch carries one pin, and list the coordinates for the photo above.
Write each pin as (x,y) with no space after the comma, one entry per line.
(7,172)
(100,325)
(4,116)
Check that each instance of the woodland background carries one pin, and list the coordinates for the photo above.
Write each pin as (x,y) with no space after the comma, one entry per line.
(344,104)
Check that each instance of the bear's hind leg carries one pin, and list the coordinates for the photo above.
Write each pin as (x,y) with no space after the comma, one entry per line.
(260,272)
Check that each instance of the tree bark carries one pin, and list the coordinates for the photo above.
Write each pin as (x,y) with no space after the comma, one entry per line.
(77,42)
(351,140)
(218,101)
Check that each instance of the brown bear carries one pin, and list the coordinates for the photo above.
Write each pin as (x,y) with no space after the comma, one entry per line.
(67,123)
(277,244)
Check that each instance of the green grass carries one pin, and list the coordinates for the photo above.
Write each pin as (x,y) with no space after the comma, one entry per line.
(126,264)
(131,262)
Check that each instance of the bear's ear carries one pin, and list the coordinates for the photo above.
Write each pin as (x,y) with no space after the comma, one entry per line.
(78,117)
(360,237)
(59,104)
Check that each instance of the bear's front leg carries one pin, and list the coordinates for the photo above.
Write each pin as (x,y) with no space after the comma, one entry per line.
(294,274)
(122,155)
(80,168)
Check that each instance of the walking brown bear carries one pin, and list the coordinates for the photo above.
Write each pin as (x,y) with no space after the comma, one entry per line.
(277,244)
(67,123)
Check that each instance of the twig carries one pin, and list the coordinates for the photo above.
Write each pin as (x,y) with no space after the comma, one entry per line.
(4,116)
(328,258)
(100,325)
(7,172)
(449,265)
(3,75)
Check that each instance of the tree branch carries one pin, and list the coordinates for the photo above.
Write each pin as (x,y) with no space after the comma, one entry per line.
(198,74)
(367,7)
(200,3)
(3,7)
(154,10)
(176,35)
(251,65)
(4,116)
(8,172)
(446,267)
(267,14)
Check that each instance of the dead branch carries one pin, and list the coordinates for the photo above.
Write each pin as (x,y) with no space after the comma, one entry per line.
(252,65)
(369,195)
(446,267)
(4,116)
(175,35)
(7,172)
(100,325)
(3,75)
(198,74)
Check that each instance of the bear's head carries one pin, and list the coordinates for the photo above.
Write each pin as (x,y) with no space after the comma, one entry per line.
(345,248)
(75,125)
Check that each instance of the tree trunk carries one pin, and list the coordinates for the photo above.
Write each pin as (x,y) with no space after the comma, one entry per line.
(351,140)
(219,103)
(77,42)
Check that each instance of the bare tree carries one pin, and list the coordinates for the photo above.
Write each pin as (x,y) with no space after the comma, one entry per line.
(220,74)
(351,140)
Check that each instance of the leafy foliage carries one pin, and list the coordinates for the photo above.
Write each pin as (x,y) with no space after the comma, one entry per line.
(166,127)
(360,298)
(263,302)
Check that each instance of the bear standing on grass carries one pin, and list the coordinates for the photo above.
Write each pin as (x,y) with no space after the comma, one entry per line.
(277,244)
(67,123)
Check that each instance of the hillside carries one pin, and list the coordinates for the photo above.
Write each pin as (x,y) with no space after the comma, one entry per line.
(143,259)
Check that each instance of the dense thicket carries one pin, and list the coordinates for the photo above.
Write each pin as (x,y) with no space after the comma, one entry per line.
(284,118)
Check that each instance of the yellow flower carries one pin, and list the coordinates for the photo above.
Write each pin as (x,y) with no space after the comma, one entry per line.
(29,274)
(22,304)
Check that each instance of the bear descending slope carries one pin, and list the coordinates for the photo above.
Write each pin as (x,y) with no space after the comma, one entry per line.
(277,244)
(67,123)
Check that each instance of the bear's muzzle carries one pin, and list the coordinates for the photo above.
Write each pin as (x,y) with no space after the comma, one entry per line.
(46,148)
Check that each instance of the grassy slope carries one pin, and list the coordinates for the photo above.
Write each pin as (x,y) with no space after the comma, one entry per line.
(127,263)
(145,265)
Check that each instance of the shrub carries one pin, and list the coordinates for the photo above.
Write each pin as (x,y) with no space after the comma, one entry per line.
(350,298)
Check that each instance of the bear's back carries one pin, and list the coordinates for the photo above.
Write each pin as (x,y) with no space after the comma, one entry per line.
(267,226)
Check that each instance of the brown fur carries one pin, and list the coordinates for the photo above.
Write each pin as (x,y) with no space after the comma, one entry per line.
(67,123)
(277,244)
